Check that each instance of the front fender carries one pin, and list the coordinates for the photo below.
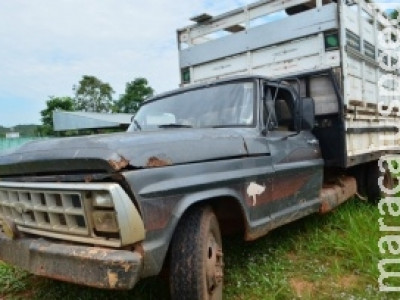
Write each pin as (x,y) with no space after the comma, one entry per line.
(165,194)
(159,236)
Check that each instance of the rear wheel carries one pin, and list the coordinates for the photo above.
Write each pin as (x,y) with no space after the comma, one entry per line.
(374,191)
(360,173)
(196,269)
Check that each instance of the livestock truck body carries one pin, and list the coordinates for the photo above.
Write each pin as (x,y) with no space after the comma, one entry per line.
(335,51)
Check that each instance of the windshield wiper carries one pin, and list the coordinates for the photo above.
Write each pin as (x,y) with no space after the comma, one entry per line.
(172,125)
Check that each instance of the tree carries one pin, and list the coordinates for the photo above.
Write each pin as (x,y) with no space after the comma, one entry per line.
(135,93)
(394,14)
(93,95)
(54,103)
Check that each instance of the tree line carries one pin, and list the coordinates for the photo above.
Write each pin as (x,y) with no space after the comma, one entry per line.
(93,95)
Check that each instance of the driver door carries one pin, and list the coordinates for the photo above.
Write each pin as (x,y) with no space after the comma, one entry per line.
(296,159)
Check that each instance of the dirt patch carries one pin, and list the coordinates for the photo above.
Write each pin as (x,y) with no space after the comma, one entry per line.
(301,287)
(306,289)
(292,256)
(23,295)
(347,281)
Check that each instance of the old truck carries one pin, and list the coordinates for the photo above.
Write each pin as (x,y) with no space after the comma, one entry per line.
(295,131)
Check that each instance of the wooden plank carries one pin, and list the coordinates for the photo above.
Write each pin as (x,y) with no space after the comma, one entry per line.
(201,18)
(221,68)
(297,49)
(356,103)
(235,28)
(351,19)
(370,109)
(235,17)
(313,21)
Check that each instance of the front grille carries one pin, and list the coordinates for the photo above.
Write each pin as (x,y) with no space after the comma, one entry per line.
(56,211)
(65,211)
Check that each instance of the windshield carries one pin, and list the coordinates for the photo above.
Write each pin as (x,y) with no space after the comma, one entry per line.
(217,106)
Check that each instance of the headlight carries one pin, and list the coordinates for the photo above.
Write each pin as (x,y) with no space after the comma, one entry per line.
(105,221)
(102,199)
(104,216)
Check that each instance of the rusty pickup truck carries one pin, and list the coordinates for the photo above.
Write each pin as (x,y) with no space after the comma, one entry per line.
(240,155)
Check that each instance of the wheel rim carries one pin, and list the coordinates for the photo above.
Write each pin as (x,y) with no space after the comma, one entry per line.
(215,265)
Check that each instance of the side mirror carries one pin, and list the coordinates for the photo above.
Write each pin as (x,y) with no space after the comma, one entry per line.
(307,113)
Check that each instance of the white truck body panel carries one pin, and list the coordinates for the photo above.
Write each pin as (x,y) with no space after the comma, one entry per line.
(261,39)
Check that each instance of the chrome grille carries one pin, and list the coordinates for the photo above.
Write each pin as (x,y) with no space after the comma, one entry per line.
(56,211)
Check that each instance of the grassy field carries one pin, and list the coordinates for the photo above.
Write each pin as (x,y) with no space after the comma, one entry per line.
(321,257)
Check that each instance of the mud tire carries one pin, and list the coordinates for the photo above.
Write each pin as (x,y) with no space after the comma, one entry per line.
(374,192)
(196,262)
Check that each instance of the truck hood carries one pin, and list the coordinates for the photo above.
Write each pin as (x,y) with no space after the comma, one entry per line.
(113,152)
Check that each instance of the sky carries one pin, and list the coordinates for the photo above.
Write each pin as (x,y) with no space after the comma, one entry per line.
(46,47)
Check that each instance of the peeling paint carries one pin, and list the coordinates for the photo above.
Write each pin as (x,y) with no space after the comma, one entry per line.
(126,266)
(254,190)
(112,279)
(93,251)
(88,178)
(118,165)
(154,161)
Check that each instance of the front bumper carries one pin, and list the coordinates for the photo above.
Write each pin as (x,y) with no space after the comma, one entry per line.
(91,266)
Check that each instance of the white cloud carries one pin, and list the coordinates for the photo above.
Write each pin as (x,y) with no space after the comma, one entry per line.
(46,46)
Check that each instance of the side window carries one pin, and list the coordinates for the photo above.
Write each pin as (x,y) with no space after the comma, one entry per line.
(283,115)
(269,110)
(278,110)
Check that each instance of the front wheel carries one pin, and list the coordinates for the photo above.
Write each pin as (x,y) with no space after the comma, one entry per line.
(196,265)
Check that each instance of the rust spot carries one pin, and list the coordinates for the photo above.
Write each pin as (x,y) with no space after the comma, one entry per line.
(112,278)
(139,248)
(88,178)
(118,165)
(126,266)
(283,187)
(9,228)
(157,212)
(93,252)
(325,207)
(300,155)
(154,161)
(333,195)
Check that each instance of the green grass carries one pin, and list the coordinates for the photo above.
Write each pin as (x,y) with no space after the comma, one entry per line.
(321,257)
(333,256)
